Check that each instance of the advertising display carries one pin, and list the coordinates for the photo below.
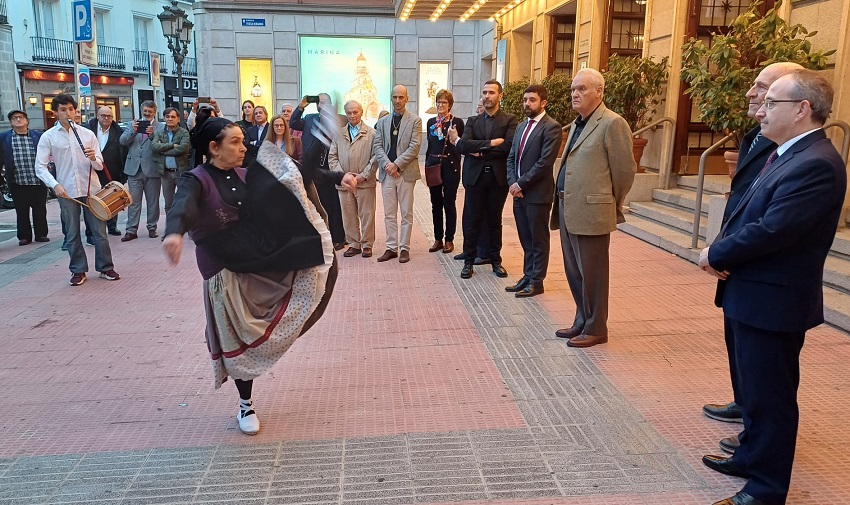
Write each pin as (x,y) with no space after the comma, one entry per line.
(256,83)
(432,78)
(348,68)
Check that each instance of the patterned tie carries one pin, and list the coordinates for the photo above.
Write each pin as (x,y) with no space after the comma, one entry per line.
(755,141)
(770,160)
(522,145)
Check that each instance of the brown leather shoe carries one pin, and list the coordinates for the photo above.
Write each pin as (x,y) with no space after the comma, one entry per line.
(152,234)
(367,252)
(404,256)
(438,244)
(740,498)
(571,332)
(388,255)
(351,252)
(586,340)
(449,247)
(128,237)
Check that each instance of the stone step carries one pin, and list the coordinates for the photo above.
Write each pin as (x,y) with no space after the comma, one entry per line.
(659,235)
(670,216)
(717,184)
(684,199)
(836,308)
(841,244)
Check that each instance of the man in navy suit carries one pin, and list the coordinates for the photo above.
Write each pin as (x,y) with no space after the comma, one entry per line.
(770,254)
(755,149)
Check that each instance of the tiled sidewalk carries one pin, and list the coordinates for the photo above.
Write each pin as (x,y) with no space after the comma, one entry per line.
(416,387)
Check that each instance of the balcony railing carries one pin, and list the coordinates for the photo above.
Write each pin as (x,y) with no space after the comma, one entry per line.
(110,57)
(142,62)
(52,50)
(190,66)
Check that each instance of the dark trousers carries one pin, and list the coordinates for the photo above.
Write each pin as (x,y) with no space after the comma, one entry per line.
(329,196)
(729,337)
(443,199)
(532,225)
(30,198)
(484,203)
(768,372)
(587,270)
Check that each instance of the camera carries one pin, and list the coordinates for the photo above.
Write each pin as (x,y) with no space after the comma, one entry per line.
(312,98)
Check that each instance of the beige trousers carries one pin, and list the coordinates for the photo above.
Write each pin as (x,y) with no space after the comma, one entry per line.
(398,199)
(358,217)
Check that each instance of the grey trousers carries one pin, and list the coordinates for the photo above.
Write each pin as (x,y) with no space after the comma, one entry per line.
(169,187)
(149,186)
(586,266)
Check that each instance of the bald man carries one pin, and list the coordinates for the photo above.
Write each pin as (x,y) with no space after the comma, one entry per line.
(398,137)
(114,154)
(755,149)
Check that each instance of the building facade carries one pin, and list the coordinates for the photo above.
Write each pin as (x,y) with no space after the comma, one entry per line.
(127,33)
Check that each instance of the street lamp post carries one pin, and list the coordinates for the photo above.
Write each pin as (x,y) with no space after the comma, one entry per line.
(178,30)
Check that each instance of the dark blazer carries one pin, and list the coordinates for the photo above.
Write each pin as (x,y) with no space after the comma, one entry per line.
(114,154)
(537,160)
(254,132)
(436,146)
(475,140)
(750,163)
(305,125)
(776,240)
(6,155)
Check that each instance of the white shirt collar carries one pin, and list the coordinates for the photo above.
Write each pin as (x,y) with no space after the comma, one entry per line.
(788,143)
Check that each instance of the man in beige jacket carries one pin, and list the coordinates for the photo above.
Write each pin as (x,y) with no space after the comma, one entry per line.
(597,171)
(353,150)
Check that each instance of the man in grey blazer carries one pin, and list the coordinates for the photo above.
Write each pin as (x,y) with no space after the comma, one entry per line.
(597,171)
(142,169)
(398,137)
(530,161)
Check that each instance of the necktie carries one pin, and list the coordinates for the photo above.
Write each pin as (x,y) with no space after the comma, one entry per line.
(755,140)
(770,160)
(522,145)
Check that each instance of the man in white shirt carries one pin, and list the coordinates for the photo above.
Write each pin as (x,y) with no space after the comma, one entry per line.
(76,153)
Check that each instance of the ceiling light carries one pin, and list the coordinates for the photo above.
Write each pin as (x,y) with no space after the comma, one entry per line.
(491,19)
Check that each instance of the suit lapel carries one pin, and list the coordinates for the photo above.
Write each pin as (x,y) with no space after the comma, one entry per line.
(591,125)
(762,144)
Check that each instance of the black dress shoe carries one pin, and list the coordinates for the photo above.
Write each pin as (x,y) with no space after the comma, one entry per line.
(729,413)
(519,286)
(729,444)
(725,466)
(741,498)
(461,256)
(500,271)
(572,331)
(529,290)
(482,261)
(467,271)
(42,239)
(114,232)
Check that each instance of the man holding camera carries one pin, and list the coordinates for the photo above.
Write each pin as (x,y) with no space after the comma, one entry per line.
(142,170)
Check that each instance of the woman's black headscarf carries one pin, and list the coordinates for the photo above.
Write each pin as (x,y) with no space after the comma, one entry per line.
(206,130)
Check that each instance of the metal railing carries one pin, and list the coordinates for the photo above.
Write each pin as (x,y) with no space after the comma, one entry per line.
(110,57)
(142,61)
(667,169)
(845,145)
(700,183)
(53,50)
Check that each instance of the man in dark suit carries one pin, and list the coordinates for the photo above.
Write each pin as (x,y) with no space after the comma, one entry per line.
(755,149)
(485,145)
(114,155)
(770,256)
(483,247)
(328,194)
(532,185)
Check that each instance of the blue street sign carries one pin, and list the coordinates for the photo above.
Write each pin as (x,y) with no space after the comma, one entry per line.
(84,81)
(82,23)
(253,22)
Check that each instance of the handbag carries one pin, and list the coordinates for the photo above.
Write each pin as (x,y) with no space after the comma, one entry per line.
(434,173)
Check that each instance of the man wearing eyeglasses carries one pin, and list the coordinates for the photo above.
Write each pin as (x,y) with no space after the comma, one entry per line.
(755,149)
(17,155)
(114,155)
(770,255)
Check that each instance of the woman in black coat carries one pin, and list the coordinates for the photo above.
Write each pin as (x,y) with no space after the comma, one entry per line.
(441,151)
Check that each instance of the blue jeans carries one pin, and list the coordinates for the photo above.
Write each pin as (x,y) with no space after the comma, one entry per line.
(70,214)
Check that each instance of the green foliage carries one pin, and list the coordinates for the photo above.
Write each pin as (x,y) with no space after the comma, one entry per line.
(559,104)
(633,86)
(719,76)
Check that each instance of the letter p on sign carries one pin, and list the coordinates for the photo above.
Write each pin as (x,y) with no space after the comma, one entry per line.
(82,21)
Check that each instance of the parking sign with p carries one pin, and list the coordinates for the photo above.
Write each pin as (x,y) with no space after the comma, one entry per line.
(82,23)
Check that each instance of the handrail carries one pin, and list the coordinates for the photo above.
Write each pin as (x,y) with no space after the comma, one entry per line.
(845,146)
(700,182)
(666,171)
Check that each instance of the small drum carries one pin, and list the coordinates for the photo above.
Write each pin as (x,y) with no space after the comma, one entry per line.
(110,200)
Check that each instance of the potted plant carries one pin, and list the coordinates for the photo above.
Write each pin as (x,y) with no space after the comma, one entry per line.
(718,77)
(632,90)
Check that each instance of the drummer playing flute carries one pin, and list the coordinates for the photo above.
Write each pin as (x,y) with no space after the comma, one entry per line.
(76,153)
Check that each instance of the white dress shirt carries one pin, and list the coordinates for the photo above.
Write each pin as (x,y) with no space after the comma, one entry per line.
(102,136)
(72,165)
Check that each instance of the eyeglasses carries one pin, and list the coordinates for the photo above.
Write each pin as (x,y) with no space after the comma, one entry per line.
(18,118)
(770,104)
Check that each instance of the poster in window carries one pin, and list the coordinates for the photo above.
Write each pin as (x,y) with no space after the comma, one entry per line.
(255,82)
(348,68)
(432,78)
